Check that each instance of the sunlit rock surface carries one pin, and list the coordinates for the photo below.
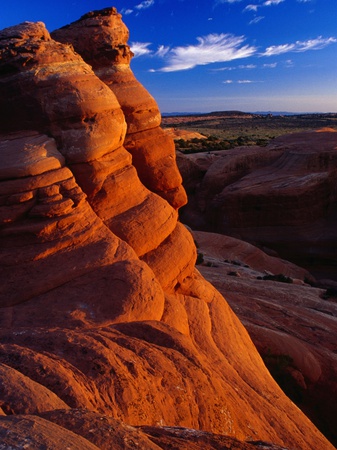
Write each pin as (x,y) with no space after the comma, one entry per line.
(101,39)
(102,309)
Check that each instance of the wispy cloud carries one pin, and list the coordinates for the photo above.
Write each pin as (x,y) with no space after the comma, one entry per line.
(256,20)
(162,51)
(241,66)
(210,49)
(272,2)
(247,66)
(299,46)
(241,81)
(145,4)
(220,48)
(219,2)
(251,8)
(140,48)
(255,7)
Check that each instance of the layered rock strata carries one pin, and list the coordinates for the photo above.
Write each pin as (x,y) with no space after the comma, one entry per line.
(84,117)
(282,197)
(102,309)
(101,39)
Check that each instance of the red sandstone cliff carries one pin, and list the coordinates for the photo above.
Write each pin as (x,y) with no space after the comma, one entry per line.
(104,318)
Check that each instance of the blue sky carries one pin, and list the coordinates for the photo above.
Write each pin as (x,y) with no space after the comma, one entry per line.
(212,55)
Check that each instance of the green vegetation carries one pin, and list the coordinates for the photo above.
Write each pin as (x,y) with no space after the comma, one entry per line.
(212,143)
(279,277)
(225,130)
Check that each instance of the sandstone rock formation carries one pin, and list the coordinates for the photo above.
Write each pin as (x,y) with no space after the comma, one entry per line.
(102,309)
(281,197)
(292,323)
(101,39)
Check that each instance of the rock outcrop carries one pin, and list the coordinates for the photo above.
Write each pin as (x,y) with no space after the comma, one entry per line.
(102,309)
(292,323)
(101,39)
(282,197)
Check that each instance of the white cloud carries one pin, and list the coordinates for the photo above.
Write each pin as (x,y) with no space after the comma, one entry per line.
(299,46)
(221,69)
(256,20)
(145,4)
(270,66)
(162,51)
(251,8)
(254,7)
(248,66)
(240,82)
(278,49)
(140,48)
(272,2)
(219,2)
(210,49)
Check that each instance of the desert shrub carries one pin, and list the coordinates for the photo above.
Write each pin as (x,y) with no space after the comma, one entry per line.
(211,264)
(280,277)
(331,292)
(262,142)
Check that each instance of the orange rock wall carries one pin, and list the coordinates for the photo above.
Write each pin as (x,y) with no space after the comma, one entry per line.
(106,50)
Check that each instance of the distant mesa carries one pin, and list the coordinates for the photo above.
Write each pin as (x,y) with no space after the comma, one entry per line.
(110,337)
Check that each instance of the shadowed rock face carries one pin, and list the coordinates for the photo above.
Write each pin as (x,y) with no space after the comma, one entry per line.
(102,309)
(292,323)
(282,196)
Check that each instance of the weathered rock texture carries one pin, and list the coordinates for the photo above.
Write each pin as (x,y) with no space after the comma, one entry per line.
(281,197)
(101,306)
(292,323)
(101,39)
